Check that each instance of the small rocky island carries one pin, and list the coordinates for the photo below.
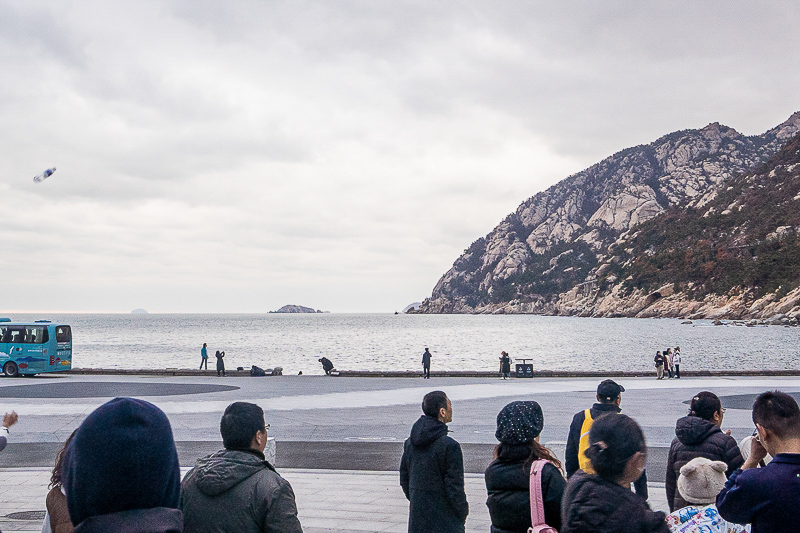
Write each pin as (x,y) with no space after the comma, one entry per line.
(297,309)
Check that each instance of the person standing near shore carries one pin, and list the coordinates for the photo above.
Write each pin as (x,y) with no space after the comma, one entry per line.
(668,363)
(659,361)
(426,364)
(220,363)
(676,360)
(204,356)
(505,364)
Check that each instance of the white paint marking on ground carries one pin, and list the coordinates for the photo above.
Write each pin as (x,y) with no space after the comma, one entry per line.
(413,395)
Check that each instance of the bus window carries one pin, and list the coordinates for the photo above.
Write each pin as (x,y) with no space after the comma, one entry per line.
(34,335)
(63,334)
(5,335)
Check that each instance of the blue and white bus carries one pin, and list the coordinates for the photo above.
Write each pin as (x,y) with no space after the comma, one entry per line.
(34,347)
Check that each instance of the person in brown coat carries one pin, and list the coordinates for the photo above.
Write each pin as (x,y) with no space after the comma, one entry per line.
(57,516)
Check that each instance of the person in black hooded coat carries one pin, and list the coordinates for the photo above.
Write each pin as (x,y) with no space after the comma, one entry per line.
(432,471)
(699,435)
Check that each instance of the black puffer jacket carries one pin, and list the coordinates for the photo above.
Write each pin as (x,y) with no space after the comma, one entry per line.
(697,437)
(594,505)
(432,477)
(508,485)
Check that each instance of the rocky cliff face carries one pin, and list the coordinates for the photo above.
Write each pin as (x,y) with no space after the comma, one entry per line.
(546,256)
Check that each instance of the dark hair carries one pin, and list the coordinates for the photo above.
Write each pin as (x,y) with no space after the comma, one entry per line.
(57,477)
(240,423)
(537,451)
(777,412)
(432,402)
(705,404)
(613,440)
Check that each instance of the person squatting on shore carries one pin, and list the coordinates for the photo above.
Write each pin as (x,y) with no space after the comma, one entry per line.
(609,397)
(603,502)
(204,356)
(767,498)
(699,435)
(121,471)
(327,366)
(236,489)
(432,471)
(508,476)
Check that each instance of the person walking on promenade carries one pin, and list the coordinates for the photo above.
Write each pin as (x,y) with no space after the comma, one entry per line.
(699,483)
(56,516)
(699,435)
(204,356)
(237,490)
(676,360)
(121,471)
(603,502)
(767,497)
(327,366)
(508,476)
(575,458)
(220,363)
(9,419)
(505,365)
(432,471)
(659,362)
(426,364)
(668,363)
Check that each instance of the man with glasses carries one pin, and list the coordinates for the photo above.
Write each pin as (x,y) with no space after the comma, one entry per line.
(236,489)
(767,497)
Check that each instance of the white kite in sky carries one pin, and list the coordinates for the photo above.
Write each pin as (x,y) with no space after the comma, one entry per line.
(44,175)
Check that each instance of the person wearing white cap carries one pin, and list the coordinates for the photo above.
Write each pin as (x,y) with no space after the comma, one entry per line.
(699,483)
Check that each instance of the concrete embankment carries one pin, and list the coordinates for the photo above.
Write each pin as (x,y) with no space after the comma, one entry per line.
(548,374)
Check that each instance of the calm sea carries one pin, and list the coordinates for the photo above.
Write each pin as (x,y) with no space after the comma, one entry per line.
(396,342)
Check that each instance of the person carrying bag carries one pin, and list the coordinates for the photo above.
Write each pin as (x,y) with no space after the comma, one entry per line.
(537,500)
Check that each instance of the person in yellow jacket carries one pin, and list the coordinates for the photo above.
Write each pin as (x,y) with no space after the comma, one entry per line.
(608,397)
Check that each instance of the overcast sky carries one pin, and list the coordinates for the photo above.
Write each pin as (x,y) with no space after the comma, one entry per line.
(239,156)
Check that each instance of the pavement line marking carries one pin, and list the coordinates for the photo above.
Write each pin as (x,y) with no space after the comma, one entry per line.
(405,396)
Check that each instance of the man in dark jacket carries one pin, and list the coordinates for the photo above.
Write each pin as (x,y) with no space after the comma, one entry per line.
(327,366)
(121,471)
(426,364)
(609,397)
(699,435)
(236,489)
(767,497)
(432,471)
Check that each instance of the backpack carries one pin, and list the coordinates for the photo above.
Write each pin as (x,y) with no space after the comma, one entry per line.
(583,462)
(538,524)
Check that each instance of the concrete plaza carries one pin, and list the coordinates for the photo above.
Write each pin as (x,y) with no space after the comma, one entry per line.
(339,440)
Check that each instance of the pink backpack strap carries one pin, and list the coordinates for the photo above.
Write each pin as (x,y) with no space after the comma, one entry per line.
(537,500)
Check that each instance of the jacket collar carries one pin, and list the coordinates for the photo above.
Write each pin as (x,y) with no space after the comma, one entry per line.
(606,407)
(156,520)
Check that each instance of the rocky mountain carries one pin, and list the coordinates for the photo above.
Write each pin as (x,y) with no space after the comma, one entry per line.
(548,255)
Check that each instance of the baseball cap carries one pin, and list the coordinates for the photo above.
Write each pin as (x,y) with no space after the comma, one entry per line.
(609,389)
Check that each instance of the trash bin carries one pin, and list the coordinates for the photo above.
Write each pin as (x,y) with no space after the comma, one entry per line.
(524,370)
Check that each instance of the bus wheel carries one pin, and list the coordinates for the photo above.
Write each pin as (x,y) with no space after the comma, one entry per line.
(11,370)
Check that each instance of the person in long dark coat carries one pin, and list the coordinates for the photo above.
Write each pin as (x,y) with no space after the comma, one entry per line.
(220,363)
(426,364)
(432,471)
(505,364)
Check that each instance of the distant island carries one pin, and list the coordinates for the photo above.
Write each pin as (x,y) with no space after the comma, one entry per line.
(297,309)
(139,312)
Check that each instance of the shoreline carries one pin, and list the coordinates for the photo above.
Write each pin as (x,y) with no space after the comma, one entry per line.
(418,374)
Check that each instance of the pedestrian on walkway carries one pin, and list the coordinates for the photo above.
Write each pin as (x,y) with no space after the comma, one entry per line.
(220,363)
(121,471)
(9,419)
(609,398)
(604,503)
(204,356)
(432,471)
(699,435)
(426,364)
(56,517)
(668,363)
(236,490)
(767,497)
(508,476)
(676,360)
(505,364)
(659,360)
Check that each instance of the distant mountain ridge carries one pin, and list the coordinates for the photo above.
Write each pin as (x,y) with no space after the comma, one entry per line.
(555,241)
(296,309)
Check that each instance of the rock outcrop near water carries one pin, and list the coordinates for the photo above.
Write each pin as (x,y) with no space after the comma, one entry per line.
(579,247)
(296,309)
